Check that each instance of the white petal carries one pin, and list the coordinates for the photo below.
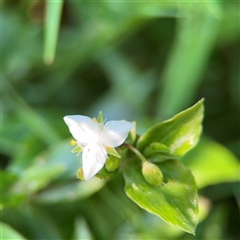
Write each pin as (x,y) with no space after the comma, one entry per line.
(93,159)
(115,133)
(83,128)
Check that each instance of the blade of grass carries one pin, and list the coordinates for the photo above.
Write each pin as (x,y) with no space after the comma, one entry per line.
(193,45)
(52,23)
(34,121)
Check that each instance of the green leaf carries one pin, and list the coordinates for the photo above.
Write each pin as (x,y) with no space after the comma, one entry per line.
(175,201)
(8,197)
(194,41)
(69,192)
(31,221)
(212,163)
(82,230)
(37,177)
(179,134)
(8,233)
(26,116)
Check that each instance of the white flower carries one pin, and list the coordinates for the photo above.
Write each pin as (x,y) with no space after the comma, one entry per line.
(96,139)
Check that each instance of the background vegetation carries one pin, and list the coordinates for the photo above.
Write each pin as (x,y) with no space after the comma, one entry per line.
(134,60)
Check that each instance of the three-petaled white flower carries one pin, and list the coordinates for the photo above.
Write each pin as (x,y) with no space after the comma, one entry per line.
(96,139)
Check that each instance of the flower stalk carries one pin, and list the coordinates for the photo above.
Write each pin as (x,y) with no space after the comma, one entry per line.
(133,149)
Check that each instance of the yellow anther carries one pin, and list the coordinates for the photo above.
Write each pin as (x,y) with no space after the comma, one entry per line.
(94,119)
(72,142)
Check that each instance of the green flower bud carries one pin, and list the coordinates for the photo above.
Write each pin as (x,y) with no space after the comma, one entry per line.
(80,174)
(112,163)
(105,174)
(152,174)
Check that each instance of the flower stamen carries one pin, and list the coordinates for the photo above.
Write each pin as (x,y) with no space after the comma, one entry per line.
(72,142)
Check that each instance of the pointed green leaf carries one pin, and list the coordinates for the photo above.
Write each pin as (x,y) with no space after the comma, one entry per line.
(212,163)
(179,134)
(175,201)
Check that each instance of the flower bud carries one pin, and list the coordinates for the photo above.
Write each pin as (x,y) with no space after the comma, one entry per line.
(105,174)
(80,174)
(152,174)
(112,163)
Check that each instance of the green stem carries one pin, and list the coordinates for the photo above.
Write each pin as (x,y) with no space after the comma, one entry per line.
(140,156)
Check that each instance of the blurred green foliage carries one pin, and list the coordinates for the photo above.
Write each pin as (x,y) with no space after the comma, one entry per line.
(141,61)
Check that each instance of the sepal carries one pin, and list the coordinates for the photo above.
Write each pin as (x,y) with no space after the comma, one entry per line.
(113,152)
(77,149)
(100,118)
(80,174)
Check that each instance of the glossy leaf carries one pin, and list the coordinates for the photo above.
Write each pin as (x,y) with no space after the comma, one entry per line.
(175,201)
(179,134)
